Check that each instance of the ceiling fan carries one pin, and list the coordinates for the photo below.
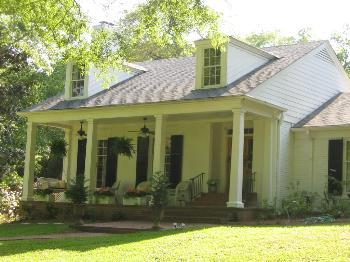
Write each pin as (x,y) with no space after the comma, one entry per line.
(144,131)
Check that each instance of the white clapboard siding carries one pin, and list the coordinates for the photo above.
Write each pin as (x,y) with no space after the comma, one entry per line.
(320,166)
(302,160)
(285,157)
(96,84)
(241,62)
(304,86)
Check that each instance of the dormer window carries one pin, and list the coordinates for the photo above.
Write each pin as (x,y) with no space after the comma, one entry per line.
(77,81)
(212,67)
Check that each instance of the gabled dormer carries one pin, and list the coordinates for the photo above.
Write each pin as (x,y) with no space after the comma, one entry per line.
(76,86)
(219,67)
(81,83)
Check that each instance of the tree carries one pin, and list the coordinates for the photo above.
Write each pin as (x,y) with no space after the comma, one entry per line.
(342,43)
(22,85)
(64,33)
(264,39)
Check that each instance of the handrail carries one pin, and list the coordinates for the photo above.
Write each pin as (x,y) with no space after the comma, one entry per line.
(249,183)
(197,185)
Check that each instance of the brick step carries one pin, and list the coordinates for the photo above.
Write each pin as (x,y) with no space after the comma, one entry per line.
(206,220)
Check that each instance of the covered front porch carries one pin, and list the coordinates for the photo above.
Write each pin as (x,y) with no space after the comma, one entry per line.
(231,142)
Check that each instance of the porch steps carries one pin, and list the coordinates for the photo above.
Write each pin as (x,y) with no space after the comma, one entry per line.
(210,199)
(220,199)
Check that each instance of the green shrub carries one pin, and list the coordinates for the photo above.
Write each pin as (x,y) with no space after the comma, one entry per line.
(335,205)
(159,190)
(43,192)
(298,203)
(77,191)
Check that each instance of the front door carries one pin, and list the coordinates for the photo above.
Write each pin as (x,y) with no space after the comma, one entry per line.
(248,178)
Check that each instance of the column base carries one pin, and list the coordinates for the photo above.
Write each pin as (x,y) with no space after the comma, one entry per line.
(27,198)
(236,204)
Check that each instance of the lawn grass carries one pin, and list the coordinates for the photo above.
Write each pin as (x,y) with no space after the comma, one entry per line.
(221,243)
(17,229)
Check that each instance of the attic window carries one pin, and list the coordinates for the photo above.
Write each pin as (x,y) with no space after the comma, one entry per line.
(212,67)
(77,81)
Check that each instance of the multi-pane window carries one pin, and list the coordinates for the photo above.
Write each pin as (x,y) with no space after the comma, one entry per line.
(77,81)
(347,166)
(212,66)
(102,152)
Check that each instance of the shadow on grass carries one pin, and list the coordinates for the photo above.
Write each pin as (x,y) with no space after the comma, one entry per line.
(84,244)
(89,243)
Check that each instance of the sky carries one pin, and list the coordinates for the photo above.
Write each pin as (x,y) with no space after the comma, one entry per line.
(242,17)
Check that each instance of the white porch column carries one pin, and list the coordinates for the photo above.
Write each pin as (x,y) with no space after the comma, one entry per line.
(66,160)
(236,175)
(270,159)
(28,179)
(90,158)
(159,144)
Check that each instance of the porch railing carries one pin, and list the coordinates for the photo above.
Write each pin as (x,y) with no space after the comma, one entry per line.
(248,183)
(197,185)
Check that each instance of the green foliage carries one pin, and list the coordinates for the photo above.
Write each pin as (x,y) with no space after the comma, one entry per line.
(158,191)
(342,43)
(264,39)
(64,31)
(333,203)
(298,203)
(43,192)
(213,182)
(10,195)
(58,147)
(77,191)
(123,146)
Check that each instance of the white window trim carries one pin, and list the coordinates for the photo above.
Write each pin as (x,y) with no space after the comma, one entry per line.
(68,84)
(345,182)
(210,66)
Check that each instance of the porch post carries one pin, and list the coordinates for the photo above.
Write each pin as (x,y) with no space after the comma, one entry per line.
(236,175)
(159,144)
(90,158)
(28,179)
(270,159)
(67,158)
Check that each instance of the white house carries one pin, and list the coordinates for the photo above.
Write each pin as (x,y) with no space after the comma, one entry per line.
(254,119)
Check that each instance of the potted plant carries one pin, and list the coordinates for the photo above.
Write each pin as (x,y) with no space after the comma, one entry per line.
(78,194)
(134,197)
(104,195)
(43,195)
(159,197)
(213,185)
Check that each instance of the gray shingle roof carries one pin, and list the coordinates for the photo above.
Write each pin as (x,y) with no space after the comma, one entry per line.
(174,79)
(335,112)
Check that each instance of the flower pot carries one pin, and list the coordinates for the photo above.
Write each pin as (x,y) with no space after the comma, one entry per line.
(134,201)
(104,200)
(213,188)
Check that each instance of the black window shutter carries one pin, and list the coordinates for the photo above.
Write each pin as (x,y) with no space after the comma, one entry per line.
(142,159)
(111,168)
(81,157)
(176,152)
(335,166)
